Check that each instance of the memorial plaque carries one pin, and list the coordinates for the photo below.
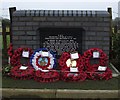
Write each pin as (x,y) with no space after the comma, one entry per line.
(61,39)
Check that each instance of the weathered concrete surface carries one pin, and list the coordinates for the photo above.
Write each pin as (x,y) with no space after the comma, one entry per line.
(87,94)
(58,93)
(28,93)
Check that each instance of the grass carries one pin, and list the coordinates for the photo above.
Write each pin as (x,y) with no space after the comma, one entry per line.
(1,41)
(8,40)
(112,84)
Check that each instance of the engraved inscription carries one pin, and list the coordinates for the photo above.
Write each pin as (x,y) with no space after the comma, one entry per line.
(60,43)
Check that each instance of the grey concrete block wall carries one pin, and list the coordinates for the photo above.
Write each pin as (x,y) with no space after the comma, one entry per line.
(95,23)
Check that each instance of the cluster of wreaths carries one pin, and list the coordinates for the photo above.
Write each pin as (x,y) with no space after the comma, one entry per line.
(44,62)
(93,70)
(17,72)
(71,68)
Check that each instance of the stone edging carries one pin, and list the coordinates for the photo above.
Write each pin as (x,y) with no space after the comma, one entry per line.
(58,93)
(117,73)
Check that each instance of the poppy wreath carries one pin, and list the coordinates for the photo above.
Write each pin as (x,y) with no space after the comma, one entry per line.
(15,59)
(66,75)
(44,77)
(92,69)
(16,72)
(94,74)
(44,62)
(89,54)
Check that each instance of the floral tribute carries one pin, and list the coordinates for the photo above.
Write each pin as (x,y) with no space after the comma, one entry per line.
(44,62)
(71,66)
(20,71)
(99,70)
(22,74)
(15,59)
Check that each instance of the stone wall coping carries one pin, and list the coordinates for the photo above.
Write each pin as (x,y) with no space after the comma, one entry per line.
(61,13)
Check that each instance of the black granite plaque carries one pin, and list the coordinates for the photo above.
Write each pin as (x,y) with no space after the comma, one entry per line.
(61,39)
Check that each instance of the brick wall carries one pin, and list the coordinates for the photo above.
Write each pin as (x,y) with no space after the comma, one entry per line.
(95,23)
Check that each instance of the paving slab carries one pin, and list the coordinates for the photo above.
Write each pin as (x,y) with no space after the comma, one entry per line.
(52,93)
(87,94)
(28,93)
